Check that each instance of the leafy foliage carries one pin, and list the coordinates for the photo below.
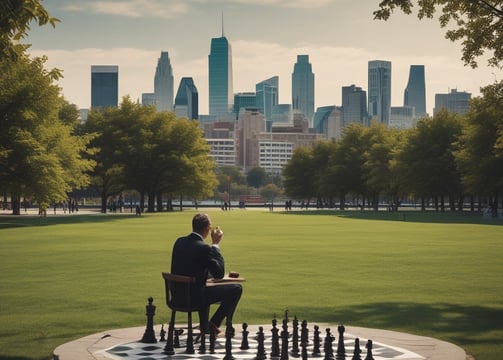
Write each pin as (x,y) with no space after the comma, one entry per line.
(478,24)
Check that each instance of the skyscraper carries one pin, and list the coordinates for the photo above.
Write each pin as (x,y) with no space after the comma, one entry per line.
(303,87)
(244,100)
(415,92)
(379,90)
(455,101)
(354,105)
(187,99)
(104,85)
(267,93)
(163,83)
(220,76)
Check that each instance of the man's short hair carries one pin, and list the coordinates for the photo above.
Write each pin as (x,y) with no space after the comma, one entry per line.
(200,222)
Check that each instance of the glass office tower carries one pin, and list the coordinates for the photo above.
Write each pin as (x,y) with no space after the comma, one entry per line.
(104,85)
(187,99)
(379,90)
(303,87)
(354,105)
(267,93)
(163,83)
(220,76)
(415,92)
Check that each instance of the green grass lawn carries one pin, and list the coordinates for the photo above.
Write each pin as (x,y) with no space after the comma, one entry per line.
(433,274)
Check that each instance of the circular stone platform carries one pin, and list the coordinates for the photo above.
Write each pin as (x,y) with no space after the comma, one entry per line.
(125,344)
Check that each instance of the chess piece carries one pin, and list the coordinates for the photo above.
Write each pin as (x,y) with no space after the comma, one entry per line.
(202,346)
(244,340)
(286,316)
(274,339)
(162,334)
(149,335)
(369,350)
(295,337)
(213,339)
(284,340)
(228,342)
(329,339)
(176,342)
(261,355)
(316,341)
(304,333)
(357,351)
(341,350)
(303,346)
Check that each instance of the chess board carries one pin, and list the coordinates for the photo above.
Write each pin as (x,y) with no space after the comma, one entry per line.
(143,351)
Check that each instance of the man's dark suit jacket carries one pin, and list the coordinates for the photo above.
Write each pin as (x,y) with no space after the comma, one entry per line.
(193,257)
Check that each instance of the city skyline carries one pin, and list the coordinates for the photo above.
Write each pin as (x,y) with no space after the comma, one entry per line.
(339,36)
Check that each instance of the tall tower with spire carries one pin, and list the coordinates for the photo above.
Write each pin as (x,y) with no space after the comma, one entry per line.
(220,76)
(163,83)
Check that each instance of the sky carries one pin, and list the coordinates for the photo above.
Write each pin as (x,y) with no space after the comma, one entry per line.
(340,37)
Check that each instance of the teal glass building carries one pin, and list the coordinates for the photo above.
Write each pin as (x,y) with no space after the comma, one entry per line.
(187,99)
(354,105)
(415,92)
(379,90)
(267,96)
(220,76)
(163,83)
(303,87)
(104,86)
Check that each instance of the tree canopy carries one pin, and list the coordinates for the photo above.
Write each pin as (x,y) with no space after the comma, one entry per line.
(478,24)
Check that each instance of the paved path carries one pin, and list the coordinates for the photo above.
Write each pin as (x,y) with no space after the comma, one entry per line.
(92,347)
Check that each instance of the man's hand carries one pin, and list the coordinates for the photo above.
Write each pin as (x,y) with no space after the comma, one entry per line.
(216,236)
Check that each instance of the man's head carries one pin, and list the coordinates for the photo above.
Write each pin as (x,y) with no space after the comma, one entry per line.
(201,224)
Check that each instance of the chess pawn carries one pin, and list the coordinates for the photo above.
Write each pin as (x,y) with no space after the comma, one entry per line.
(244,341)
(369,350)
(274,339)
(162,334)
(357,351)
(316,341)
(261,355)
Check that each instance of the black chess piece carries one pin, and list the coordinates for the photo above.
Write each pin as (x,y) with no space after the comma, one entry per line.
(357,351)
(369,350)
(261,355)
(316,341)
(329,339)
(286,316)
(303,352)
(228,342)
(176,341)
(295,337)
(213,339)
(284,340)
(274,339)
(304,333)
(162,334)
(202,345)
(244,340)
(341,350)
(149,335)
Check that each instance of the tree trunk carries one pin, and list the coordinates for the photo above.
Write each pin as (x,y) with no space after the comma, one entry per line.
(151,202)
(159,202)
(103,203)
(15,201)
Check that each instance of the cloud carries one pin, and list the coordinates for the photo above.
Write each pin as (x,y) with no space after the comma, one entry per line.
(132,8)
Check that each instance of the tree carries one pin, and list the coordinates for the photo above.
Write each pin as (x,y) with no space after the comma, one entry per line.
(426,162)
(478,23)
(480,154)
(298,181)
(256,177)
(15,19)
(40,156)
